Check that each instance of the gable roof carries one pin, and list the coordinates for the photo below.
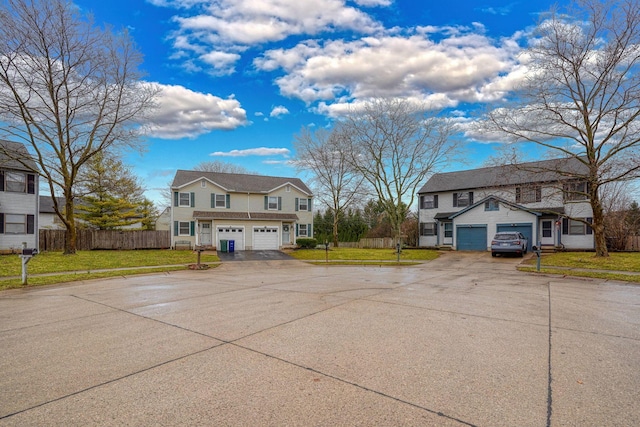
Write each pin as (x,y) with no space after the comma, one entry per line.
(523,173)
(240,183)
(10,151)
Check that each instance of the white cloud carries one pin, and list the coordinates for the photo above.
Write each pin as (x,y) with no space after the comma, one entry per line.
(184,113)
(262,151)
(231,26)
(461,66)
(279,111)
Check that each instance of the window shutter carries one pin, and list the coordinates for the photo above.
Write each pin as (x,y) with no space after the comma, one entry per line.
(435,228)
(470,198)
(1,180)
(1,223)
(31,224)
(435,201)
(309,205)
(192,228)
(266,203)
(589,229)
(175,228)
(565,225)
(421,202)
(213,200)
(228,201)
(279,203)
(297,204)
(31,183)
(455,200)
(296,230)
(193,200)
(175,198)
(309,231)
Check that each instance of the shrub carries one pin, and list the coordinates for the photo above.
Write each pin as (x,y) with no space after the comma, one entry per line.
(307,243)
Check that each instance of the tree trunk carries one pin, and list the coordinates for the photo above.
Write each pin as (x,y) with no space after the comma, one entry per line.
(598,225)
(70,223)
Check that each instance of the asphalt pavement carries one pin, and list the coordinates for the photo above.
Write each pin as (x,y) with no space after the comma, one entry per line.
(461,340)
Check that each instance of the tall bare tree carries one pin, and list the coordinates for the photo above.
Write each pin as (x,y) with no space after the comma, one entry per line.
(581,97)
(325,154)
(395,145)
(68,90)
(220,166)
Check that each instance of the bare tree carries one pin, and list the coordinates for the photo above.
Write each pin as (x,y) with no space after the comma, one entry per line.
(220,166)
(324,154)
(394,145)
(68,90)
(581,97)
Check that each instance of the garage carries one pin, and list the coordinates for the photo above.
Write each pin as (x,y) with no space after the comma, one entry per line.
(232,233)
(471,237)
(525,228)
(265,238)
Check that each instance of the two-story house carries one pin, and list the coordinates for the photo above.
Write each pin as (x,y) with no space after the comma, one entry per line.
(543,200)
(18,198)
(256,212)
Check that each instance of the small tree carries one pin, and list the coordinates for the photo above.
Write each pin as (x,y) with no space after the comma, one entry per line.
(68,90)
(394,146)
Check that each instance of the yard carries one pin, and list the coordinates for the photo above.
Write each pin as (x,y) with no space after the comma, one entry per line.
(364,256)
(618,266)
(90,265)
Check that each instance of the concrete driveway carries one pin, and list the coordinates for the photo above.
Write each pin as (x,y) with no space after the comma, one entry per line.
(462,340)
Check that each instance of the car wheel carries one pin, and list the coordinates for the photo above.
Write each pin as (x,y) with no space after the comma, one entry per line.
(493,254)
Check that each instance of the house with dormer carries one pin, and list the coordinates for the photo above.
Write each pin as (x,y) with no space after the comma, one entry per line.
(18,198)
(546,201)
(256,212)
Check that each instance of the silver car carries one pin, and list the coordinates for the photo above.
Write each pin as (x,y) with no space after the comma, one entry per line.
(509,242)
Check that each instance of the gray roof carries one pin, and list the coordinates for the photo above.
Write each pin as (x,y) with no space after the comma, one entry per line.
(496,176)
(46,204)
(241,183)
(14,155)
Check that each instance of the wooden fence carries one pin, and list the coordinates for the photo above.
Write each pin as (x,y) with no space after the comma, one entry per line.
(372,243)
(53,240)
(633,243)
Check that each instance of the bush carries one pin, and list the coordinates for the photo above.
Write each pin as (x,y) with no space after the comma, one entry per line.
(307,243)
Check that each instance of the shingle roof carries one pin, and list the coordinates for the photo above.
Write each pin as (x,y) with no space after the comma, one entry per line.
(541,171)
(265,216)
(11,151)
(242,183)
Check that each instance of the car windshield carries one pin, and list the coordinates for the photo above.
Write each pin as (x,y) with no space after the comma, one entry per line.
(506,237)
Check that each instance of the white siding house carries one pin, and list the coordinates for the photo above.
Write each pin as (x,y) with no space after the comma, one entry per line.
(18,198)
(256,212)
(463,210)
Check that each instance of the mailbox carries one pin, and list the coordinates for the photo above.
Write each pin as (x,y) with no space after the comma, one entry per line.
(29,251)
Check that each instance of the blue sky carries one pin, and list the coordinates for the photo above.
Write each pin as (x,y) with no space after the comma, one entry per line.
(241,77)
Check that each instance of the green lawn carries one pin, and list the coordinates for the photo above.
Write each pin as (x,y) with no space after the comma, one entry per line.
(363,255)
(589,265)
(83,264)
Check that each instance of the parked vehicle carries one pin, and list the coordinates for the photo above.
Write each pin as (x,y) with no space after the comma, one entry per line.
(509,242)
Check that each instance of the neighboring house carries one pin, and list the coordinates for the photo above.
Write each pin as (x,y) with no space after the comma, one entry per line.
(256,212)
(47,216)
(463,210)
(163,221)
(18,198)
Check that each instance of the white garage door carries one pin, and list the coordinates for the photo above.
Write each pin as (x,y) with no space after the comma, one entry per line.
(232,233)
(265,238)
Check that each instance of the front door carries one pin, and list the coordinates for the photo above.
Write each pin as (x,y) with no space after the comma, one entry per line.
(286,235)
(547,232)
(205,234)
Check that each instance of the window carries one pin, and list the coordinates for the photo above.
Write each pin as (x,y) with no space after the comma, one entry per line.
(184,228)
(17,182)
(273,203)
(203,183)
(221,201)
(547,229)
(302,230)
(428,229)
(491,205)
(303,204)
(575,227)
(19,224)
(529,194)
(429,201)
(575,191)
(184,199)
(461,200)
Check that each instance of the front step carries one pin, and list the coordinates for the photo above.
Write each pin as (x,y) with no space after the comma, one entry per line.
(548,249)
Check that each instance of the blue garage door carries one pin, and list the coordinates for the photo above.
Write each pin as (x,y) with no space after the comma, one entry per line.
(471,237)
(526,229)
